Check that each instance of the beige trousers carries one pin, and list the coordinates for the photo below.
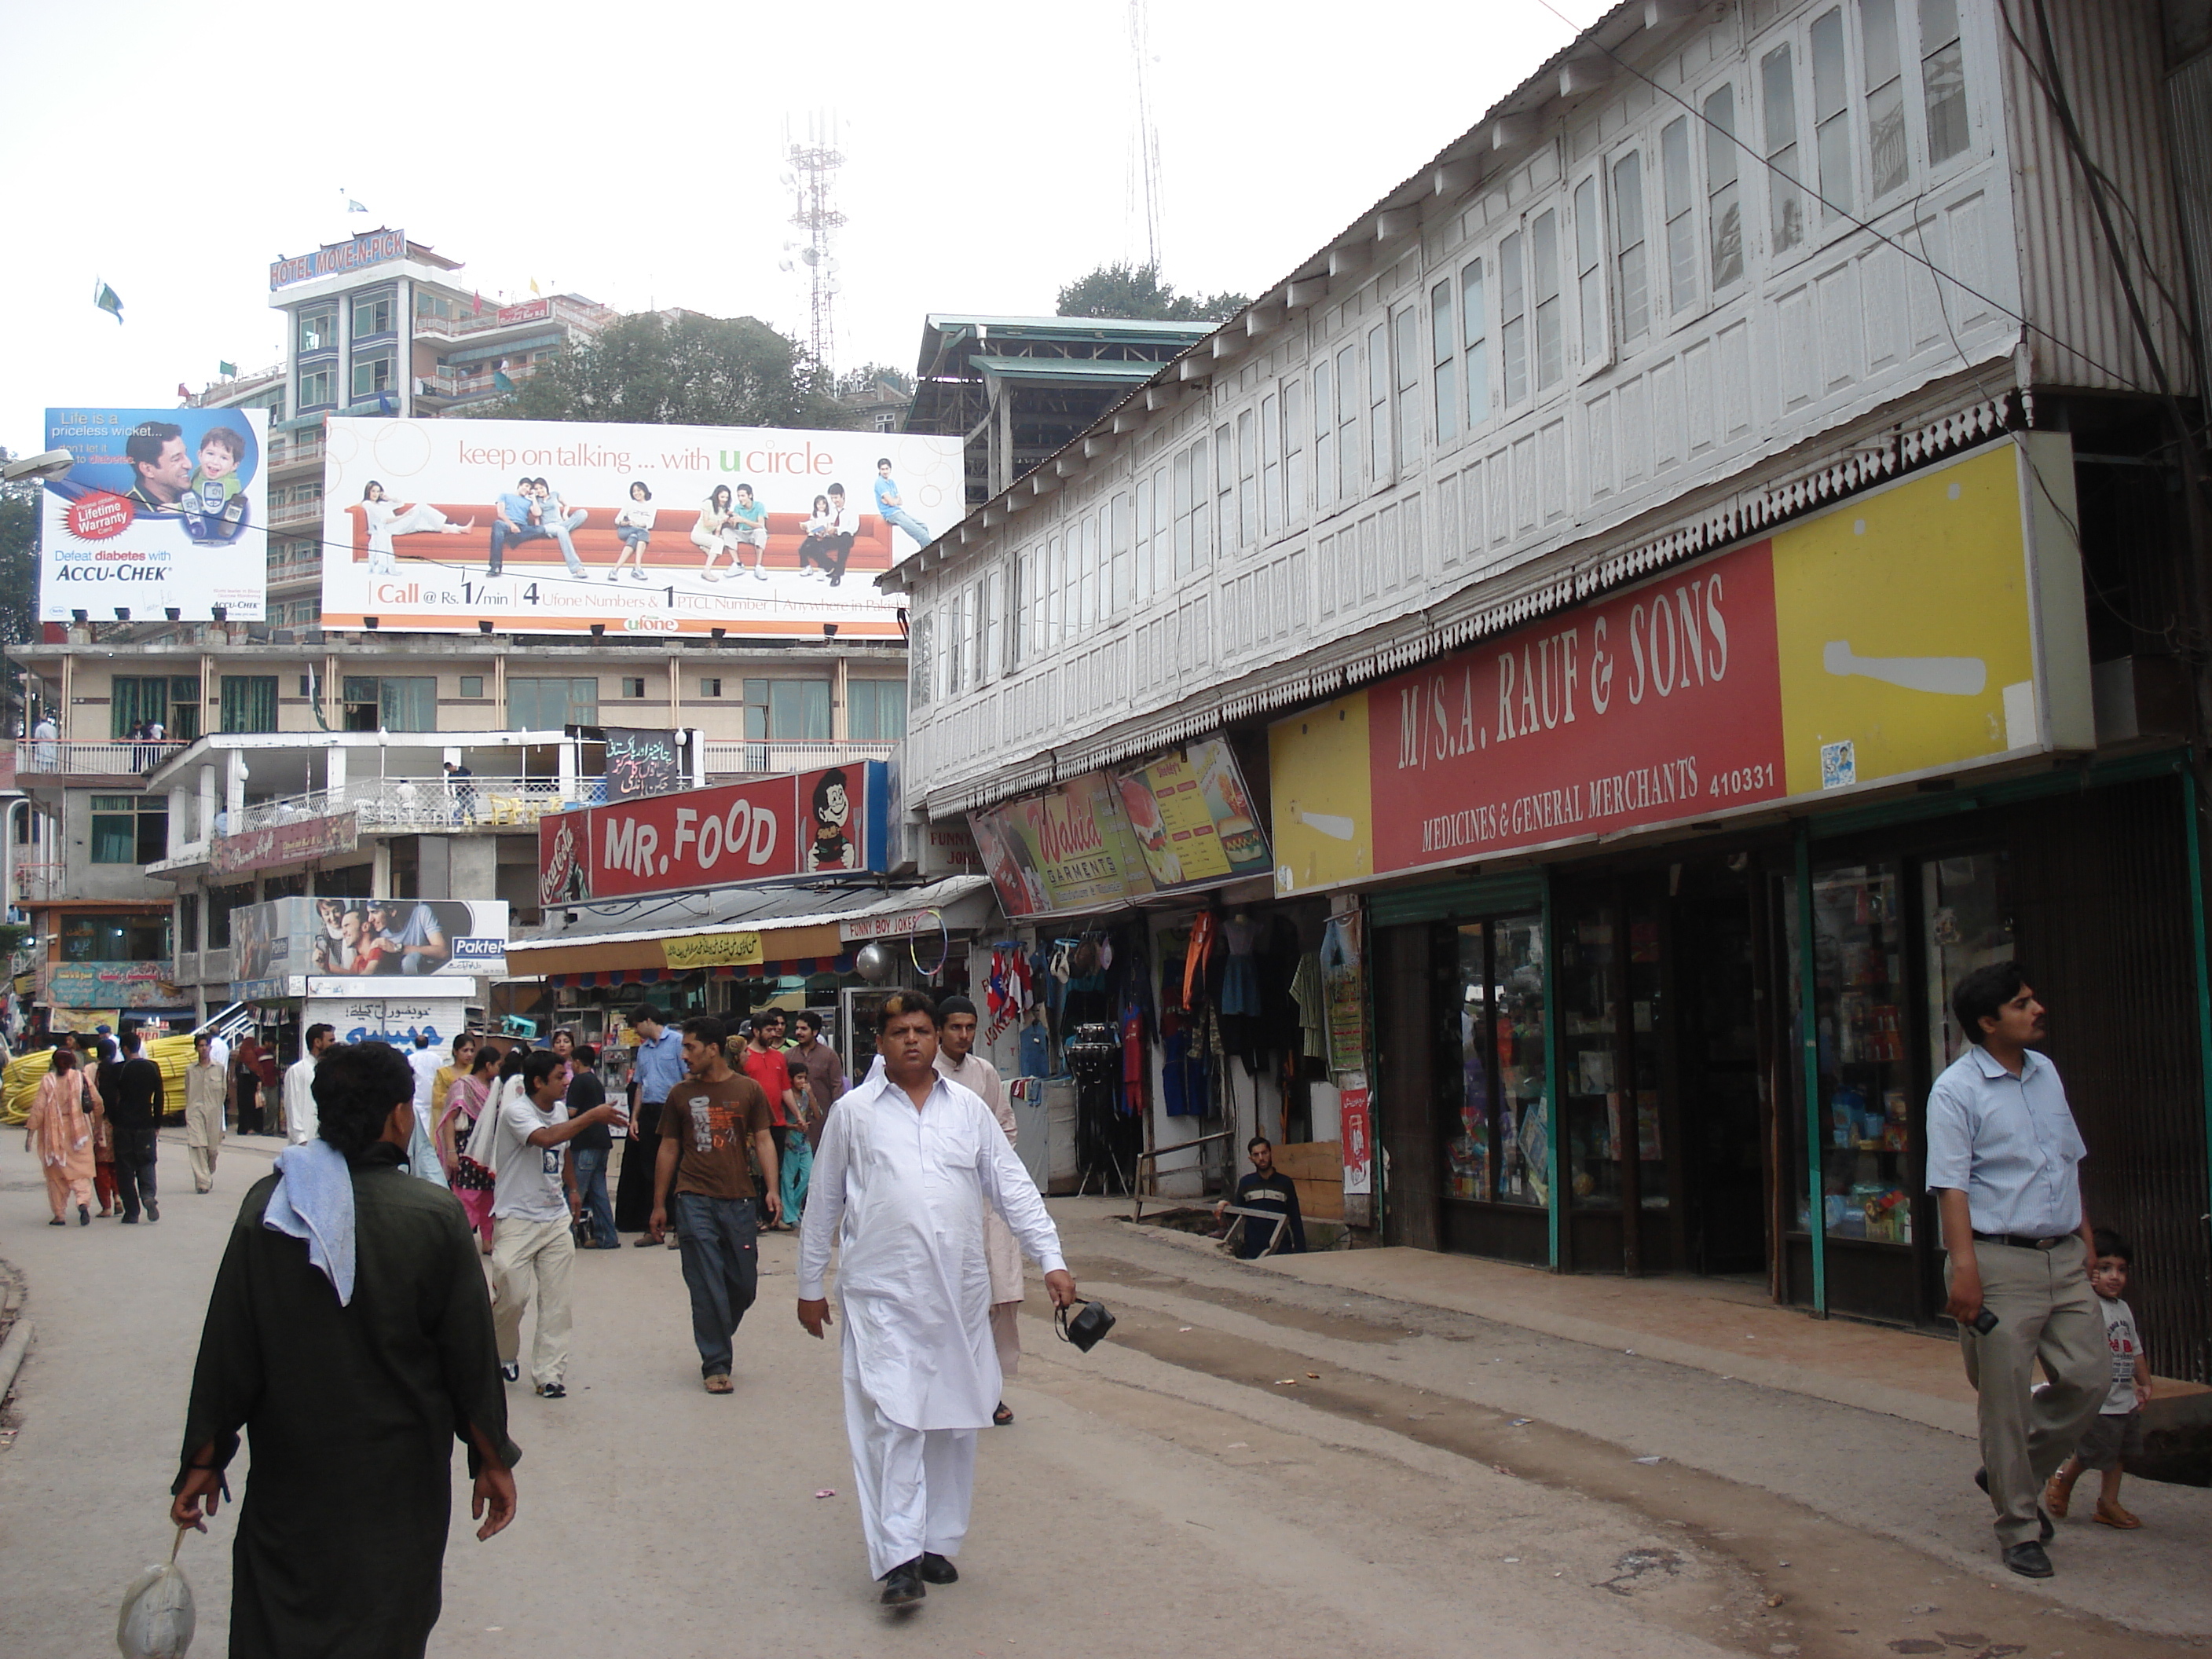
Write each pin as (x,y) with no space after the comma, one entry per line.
(203,1141)
(2045,1312)
(530,1260)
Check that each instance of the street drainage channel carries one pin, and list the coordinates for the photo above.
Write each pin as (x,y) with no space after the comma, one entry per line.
(1882,1597)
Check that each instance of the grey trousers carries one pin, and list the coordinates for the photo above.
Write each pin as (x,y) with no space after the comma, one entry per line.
(2045,1310)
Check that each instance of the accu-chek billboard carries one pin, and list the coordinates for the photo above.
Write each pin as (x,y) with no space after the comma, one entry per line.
(830,821)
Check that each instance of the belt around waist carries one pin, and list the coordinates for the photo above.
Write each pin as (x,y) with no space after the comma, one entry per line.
(2021,1241)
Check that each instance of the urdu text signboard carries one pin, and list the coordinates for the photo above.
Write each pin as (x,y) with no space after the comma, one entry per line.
(166,509)
(1929,626)
(539,526)
(830,821)
(1182,822)
(296,842)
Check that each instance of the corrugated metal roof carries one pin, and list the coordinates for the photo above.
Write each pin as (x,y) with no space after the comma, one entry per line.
(1065,328)
(1085,369)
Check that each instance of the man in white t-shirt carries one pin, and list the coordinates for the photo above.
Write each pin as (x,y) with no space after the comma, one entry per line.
(300,1084)
(534,1203)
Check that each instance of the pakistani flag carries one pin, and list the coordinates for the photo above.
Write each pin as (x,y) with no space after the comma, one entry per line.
(500,381)
(228,371)
(107,298)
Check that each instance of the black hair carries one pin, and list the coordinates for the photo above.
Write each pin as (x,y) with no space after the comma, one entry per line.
(229,439)
(745,489)
(374,483)
(822,501)
(357,1087)
(647,1012)
(767,1017)
(719,495)
(837,490)
(807,1018)
(485,1058)
(147,440)
(1258,1141)
(948,1006)
(833,778)
(526,480)
(899,1003)
(130,1042)
(883,460)
(512,1064)
(465,1038)
(2110,1243)
(307,1037)
(541,1064)
(708,1029)
(64,1059)
(586,1053)
(1983,994)
(637,484)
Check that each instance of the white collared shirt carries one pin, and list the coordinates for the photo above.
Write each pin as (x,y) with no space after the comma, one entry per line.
(2009,1142)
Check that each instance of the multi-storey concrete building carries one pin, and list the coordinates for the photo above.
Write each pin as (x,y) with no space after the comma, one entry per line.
(1581,554)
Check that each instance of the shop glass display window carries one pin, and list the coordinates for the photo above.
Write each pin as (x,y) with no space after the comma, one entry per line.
(1613,1086)
(1501,1150)
(1967,901)
(1860,1000)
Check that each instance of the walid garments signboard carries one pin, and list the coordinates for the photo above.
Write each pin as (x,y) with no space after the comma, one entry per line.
(166,510)
(830,821)
(562,526)
(1179,823)
(1931,625)
(296,842)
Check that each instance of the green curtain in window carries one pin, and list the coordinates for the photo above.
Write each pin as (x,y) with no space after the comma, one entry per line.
(114,838)
(131,699)
(249,703)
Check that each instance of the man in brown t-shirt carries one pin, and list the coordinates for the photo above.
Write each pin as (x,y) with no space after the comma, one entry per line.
(705,1124)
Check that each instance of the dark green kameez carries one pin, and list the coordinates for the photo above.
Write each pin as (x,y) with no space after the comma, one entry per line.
(353,1413)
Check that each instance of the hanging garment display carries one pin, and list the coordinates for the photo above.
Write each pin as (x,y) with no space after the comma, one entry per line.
(1347,1000)
(1196,955)
(1306,991)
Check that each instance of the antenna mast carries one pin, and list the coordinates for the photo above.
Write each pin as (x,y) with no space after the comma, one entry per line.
(1148,136)
(811,175)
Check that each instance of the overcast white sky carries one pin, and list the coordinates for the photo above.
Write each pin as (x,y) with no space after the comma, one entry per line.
(631,152)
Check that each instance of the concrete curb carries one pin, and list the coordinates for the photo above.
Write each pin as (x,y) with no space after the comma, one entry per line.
(11,1354)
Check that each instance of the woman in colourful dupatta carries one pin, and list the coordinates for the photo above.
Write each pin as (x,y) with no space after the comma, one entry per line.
(62,1135)
(464,1103)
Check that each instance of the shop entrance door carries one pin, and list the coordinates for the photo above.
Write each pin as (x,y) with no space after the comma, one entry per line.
(1717,1072)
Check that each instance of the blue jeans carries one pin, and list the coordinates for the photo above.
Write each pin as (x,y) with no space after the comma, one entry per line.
(599,1214)
(719,1242)
(906,521)
(792,1169)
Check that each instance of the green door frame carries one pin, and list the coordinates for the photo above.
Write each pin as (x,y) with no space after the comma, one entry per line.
(1557,1209)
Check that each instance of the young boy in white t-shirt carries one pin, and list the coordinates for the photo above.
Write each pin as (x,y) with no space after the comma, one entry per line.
(2115,1435)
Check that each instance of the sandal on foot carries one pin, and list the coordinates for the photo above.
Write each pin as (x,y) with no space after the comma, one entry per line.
(2111,1515)
(720,1384)
(2057,1496)
(1004,1415)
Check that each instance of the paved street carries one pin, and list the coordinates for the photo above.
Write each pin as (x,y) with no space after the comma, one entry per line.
(1255,1464)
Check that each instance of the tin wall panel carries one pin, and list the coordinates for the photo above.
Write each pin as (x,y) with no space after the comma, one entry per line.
(2189,128)
(2103,928)
(2110,57)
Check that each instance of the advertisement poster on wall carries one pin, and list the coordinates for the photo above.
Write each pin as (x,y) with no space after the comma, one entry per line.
(131,985)
(1918,630)
(830,821)
(555,526)
(365,947)
(367,1019)
(1182,822)
(166,510)
(640,762)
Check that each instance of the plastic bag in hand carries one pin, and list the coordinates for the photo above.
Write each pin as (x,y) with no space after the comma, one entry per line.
(157,1617)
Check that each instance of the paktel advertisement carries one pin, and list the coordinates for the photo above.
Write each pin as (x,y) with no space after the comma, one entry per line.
(542,526)
(365,947)
(1913,631)
(829,822)
(166,509)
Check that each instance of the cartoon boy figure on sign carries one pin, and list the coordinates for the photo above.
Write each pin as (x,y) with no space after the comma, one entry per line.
(833,813)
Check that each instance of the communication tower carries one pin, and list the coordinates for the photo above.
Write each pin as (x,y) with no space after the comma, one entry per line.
(810,173)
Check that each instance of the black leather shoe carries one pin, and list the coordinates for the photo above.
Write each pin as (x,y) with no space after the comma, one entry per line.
(2028,1561)
(936,1569)
(511,1372)
(902,1584)
(2045,1525)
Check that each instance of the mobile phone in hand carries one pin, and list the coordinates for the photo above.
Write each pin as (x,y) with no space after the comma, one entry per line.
(1986,1321)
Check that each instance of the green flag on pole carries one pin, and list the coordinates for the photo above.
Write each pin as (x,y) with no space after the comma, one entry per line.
(228,371)
(107,298)
(499,382)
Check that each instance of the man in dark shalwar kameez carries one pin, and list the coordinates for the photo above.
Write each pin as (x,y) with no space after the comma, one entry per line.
(355,1356)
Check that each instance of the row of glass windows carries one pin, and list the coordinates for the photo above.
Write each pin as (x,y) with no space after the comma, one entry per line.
(1649,234)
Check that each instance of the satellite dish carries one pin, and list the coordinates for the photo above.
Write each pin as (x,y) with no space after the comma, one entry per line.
(785,265)
(786,181)
(830,265)
(813,256)
(832,287)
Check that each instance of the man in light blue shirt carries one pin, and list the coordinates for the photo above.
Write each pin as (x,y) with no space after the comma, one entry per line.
(2003,1157)
(890,506)
(656,1067)
(515,518)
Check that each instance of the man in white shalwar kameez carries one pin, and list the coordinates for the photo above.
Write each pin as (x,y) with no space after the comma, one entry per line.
(907,1163)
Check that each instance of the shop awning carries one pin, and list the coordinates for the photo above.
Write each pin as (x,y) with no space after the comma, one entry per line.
(746,931)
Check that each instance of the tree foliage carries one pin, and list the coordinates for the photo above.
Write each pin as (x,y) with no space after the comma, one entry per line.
(688,370)
(856,382)
(19,561)
(1138,291)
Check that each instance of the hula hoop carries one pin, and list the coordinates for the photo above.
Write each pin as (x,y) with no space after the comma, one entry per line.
(944,951)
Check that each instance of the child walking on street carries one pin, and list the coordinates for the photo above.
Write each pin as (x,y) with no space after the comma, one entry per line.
(2115,1435)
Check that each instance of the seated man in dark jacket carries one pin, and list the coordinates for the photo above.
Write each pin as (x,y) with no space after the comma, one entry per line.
(1268,1189)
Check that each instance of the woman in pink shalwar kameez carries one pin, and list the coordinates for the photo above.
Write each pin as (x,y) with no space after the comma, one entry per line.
(62,1135)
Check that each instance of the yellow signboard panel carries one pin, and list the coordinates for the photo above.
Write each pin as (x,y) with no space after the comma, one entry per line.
(713,951)
(1318,763)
